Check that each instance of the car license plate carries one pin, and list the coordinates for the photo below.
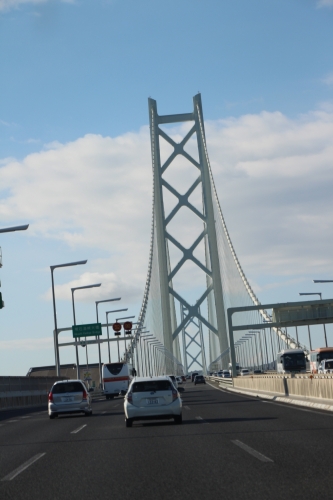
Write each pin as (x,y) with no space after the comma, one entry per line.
(67,399)
(152,401)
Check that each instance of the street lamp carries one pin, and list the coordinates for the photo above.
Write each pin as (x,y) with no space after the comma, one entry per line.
(56,345)
(142,337)
(14,228)
(255,341)
(325,336)
(119,319)
(107,327)
(99,345)
(77,352)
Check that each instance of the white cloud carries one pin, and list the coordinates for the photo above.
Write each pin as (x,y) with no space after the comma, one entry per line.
(273,174)
(325,3)
(328,80)
(112,285)
(32,344)
(6,5)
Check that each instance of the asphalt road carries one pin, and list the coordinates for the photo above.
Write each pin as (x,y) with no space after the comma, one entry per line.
(229,446)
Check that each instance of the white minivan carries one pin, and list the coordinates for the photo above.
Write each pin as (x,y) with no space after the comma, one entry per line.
(325,366)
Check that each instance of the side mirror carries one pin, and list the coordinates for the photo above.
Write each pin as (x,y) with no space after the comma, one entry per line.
(123,393)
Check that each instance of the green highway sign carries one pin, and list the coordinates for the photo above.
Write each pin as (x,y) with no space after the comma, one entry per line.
(87,330)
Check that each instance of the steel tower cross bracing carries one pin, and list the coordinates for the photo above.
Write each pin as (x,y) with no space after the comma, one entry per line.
(216,322)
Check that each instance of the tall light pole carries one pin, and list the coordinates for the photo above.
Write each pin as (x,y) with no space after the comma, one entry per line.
(56,344)
(14,228)
(10,230)
(107,327)
(143,337)
(99,345)
(325,336)
(119,319)
(74,319)
(255,342)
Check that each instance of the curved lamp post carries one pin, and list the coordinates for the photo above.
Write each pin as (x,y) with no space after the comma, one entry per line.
(56,345)
(74,319)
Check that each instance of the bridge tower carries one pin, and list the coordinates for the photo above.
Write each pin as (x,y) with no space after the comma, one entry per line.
(170,298)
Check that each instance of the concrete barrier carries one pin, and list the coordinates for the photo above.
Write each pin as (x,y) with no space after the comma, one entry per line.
(20,392)
(305,386)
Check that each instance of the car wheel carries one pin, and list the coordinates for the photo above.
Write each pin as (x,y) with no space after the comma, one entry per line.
(129,422)
(178,419)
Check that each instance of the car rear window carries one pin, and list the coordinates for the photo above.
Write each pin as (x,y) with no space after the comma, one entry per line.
(67,387)
(152,385)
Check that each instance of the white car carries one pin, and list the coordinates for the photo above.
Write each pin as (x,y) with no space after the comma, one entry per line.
(244,372)
(326,366)
(152,398)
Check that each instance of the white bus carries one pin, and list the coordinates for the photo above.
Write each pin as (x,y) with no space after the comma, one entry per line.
(291,360)
(116,378)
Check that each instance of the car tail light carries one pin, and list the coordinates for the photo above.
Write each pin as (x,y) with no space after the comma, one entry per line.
(50,397)
(130,398)
(174,395)
(84,394)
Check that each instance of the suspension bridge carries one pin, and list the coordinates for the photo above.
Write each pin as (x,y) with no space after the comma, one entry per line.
(188,324)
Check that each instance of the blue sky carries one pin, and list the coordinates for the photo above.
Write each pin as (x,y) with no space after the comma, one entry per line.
(75,156)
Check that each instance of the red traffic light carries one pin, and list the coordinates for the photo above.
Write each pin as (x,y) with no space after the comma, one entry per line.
(128,325)
(116,327)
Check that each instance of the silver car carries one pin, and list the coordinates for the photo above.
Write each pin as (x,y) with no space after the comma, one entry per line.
(69,396)
(152,398)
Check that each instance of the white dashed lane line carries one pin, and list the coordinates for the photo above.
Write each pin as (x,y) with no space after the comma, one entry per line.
(11,421)
(22,467)
(252,452)
(79,429)
(186,407)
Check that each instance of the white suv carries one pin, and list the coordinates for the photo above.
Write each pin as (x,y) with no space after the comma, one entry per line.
(152,398)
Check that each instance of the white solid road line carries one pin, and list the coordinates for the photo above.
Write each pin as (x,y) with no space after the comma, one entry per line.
(22,467)
(79,429)
(252,452)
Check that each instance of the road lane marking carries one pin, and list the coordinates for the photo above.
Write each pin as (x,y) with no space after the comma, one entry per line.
(79,429)
(186,407)
(103,412)
(115,406)
(252,452)
(198,418)
(22,467)
(27,416)
(11,421)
